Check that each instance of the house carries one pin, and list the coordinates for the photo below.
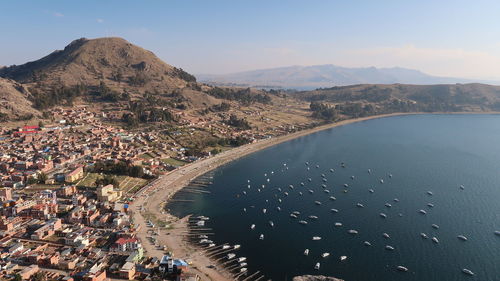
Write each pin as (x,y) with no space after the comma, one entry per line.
(108,194)
(127,271)
(126,245)
(74,175)
(29,271)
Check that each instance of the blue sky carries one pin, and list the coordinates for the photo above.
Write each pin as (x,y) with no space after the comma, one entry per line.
(447,38)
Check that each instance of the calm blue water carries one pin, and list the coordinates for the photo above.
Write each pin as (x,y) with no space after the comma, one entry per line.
(435,153)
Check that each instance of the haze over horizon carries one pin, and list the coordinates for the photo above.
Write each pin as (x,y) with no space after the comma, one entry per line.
(448,39)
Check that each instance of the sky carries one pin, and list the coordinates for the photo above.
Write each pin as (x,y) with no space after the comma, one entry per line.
(453,38)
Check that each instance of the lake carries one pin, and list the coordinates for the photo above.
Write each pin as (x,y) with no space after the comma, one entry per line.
(415,156)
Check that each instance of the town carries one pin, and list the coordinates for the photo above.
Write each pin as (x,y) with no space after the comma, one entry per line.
(67,189)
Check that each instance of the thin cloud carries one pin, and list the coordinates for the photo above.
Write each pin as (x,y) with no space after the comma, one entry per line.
(100,20)
(57,14)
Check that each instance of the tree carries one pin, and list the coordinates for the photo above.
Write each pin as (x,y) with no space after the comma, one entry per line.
(17,277)
(42,177)
(136,171)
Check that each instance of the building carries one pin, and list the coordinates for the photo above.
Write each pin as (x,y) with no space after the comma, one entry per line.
(74,175)
(108,194)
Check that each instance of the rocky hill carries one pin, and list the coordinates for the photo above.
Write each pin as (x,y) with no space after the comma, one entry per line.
(14,101)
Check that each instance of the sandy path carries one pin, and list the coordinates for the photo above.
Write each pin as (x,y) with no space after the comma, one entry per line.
(154,196)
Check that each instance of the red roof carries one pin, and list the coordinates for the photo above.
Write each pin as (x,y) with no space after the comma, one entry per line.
(122,240)
(30,127)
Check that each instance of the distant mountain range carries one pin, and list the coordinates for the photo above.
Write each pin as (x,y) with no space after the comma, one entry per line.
(328,75)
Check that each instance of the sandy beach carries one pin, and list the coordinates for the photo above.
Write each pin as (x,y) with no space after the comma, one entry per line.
(153,197)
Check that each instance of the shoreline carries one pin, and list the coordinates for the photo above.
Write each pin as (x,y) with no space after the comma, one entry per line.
(156,195)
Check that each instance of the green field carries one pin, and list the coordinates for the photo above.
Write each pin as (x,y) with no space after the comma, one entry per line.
(173,162)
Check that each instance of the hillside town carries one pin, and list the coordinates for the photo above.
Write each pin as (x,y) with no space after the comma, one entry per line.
(67,189)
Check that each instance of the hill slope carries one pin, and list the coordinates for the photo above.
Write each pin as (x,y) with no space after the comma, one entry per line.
(317,76)
(14,103)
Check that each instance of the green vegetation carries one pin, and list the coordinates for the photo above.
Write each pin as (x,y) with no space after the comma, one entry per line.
(239,123)
(173,162)
(243,96)
(323,111)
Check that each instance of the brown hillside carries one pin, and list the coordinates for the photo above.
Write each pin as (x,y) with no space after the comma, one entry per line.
(14,103)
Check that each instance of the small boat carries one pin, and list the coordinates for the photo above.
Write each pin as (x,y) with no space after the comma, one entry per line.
(333,198)
(302,184)
(371,190)
(311,191)
(342,165)
(429,193)
(389,248)
(435,240)
(316,266)
(300,193)
(467,271)
(230,256)
(293,216)
(430,205)
(316,238)
(388,205)
(261,237)
(390,175)
(306,252)
(325,180)
(278,208)
(258,189)
(386,235)
(334,210)
(236,246)
(343,258)
(309,179)
(271,223)
(381,181)
(326,191)
(346,185)
(317,202)
(369,171)
(323,175)
(290,186)
(352,231)
(324,255)
(401,268)
(332,170)
(264,211)
(317,166)
(424,235)
(422,211)
(307,163)
(313,217)
(367,243)
(303,222)
(296,213)
(244,192)
(286,193)
(242,259)
(461,237)
(360,205)
(243,264)
(352,177)
(345,190)
(244,209)
(435,226)
(497,232)
(395,200)
(211,245)
(323,185)
(338,224)
(252,226)
(279,189)
(383,215)
(462,187)
(268,180)
(279,200)
(225,247)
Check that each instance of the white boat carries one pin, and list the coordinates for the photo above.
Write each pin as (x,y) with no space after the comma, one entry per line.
(279,189)
(430,205)
(225,247)
(467,271)
(389,248)
(343,258)
(268,180)
(435,240)
(424,235)
(326,191)
(371,190)
(386,235)
(346,185)
(325,180)
(236,246)
(279,200)
(307,163)
(323,175)
(383,215)
(306,252)
(278,208)
(313,217)
(360,205)
(309,179)
(310,191)
(338,224)
(352,177)
(497,232)
(334,210)
(290,186)
(333,198)
(435,226)
(429,192)
(324,255)
(302,183)
(230,256)
(211,245)
(244,269)
(300,193)
(264,211)
(395,200)
(352,231)
(332,170)
(388,205)
(293,216)
(261,237)
(342,165)
(367,243)
(462,187)
(242,259)
(402,268)
(317,166)
(381,181)
(316,266)
(244,192)
(461,237)
(303,222)
(422,211)
(286,193)
(316,238)
(243,264)
(271,223)
(369,171)
(296,213)
(390,175)
(317,202)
